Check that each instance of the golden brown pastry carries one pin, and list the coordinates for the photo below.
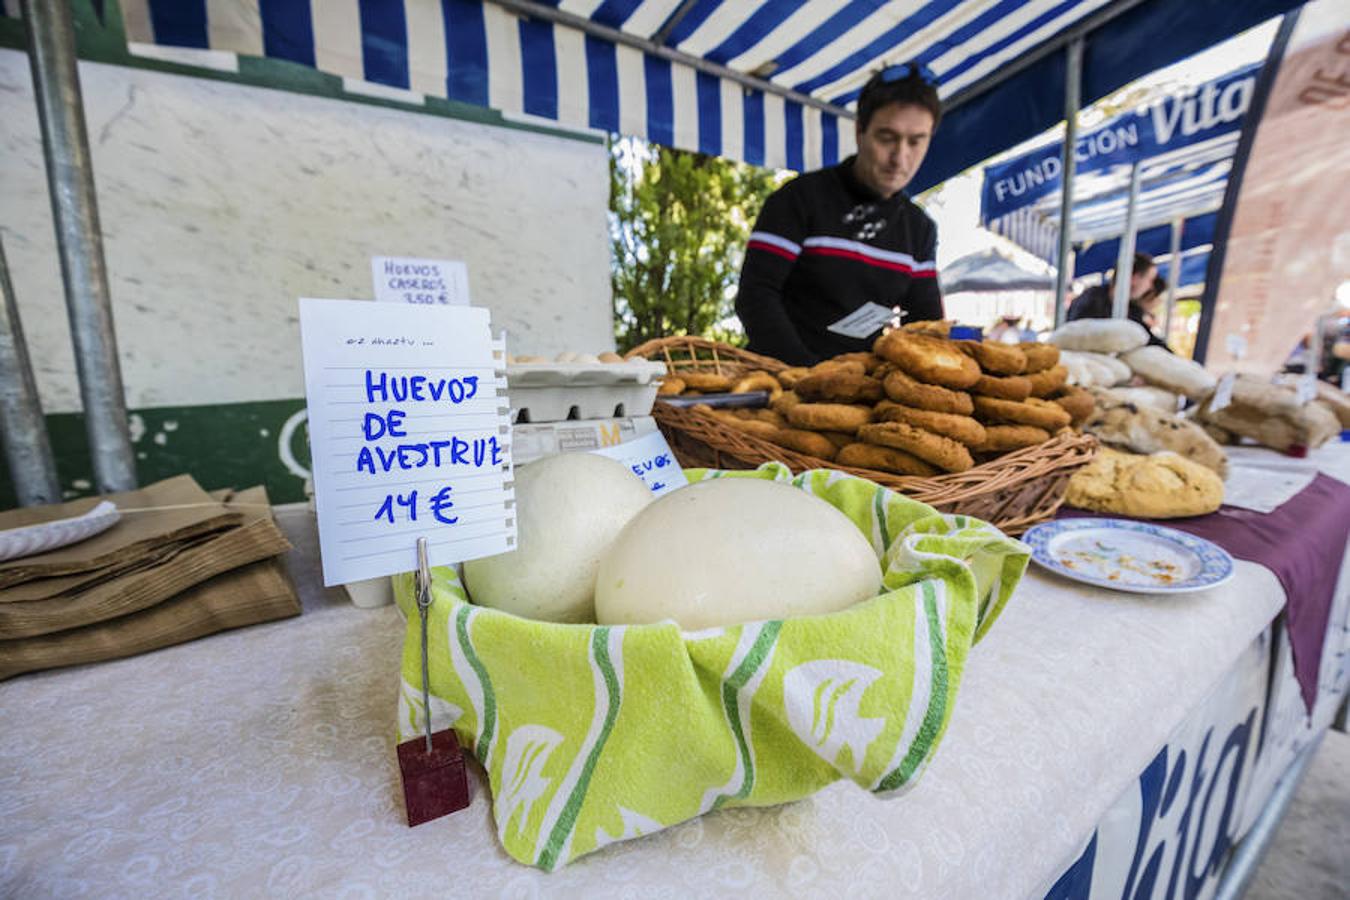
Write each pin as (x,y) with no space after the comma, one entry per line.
(1075,401)
(834,366)
(958,428)
(869,361)
(670,385)
(995,358)
(942,452)
(1039,357)
(810,443)
(752,426)
(829,416)
(1051,381)
(839,387)
(903,389)
(783,405)
(772,416)
(759,381)
(707,382)
(1002,438)
(839,438)
(1032,411)
(1011,387)
(929,359)
(788,378)
(1159,486)
(885,459)
(934,328)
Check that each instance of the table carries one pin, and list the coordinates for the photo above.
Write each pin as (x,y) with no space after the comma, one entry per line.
(260,763)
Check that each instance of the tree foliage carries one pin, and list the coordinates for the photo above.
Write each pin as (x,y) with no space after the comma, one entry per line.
(678,226)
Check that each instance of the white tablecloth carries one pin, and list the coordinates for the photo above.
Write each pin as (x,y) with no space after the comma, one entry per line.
(260,763)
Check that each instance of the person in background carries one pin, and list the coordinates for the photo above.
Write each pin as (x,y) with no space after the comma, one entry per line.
(1096,301)
(1006,330)
(835,251)
(1155,316)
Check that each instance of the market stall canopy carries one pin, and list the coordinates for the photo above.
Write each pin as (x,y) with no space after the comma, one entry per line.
(990,270)
(1193,266)
(770,83)
(1184,144)
(1100,256)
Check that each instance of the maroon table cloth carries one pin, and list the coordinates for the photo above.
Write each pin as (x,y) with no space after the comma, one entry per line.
(1303,542)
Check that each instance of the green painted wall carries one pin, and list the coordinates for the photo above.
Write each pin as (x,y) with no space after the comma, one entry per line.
(229,445)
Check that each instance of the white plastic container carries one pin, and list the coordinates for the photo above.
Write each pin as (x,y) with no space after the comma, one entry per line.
(559,392)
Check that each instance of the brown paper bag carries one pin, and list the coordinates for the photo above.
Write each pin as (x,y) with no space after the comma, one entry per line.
(259,592)
(154,578)
(135,535)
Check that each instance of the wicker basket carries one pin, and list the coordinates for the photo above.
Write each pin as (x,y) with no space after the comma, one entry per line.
(1013,492)
(696,354)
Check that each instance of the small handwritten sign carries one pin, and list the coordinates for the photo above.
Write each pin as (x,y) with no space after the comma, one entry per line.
(651,459)
(426,282)
(1223,393)
(864,321)
(1306,388)
(409,433)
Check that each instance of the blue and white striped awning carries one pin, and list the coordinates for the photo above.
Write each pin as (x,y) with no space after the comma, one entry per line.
(672,71)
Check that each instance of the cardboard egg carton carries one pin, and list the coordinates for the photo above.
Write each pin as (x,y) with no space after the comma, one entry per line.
(570,391)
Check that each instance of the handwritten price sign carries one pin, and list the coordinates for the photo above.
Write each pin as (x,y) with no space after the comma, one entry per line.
(408,433)
(437,282)
(651,459)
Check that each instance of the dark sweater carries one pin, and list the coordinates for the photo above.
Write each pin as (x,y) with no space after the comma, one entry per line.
(824,245)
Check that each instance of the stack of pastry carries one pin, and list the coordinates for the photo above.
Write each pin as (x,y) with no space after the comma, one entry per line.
(696,384)
(920,404)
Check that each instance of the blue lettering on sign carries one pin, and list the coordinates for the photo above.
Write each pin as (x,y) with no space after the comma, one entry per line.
(374,458)
(381,387)
(477,453)
(645,466)
(1169,123)
(1194,863)
(440,503)
(407,501)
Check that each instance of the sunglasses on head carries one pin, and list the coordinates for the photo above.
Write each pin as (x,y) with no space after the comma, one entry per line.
(905,71)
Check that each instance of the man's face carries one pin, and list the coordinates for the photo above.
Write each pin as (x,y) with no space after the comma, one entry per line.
(1139,284)
(893,146)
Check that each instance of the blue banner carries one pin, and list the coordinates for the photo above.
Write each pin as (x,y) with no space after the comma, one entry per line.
(1210,110)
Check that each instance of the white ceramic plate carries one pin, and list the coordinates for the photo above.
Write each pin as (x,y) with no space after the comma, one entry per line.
(1125,555)
(33,539)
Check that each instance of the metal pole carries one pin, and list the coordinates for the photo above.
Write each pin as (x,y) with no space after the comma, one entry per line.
(1073,78)
(32,470)
(1120,304)
(1242,868)
(70,179)
(1173,277)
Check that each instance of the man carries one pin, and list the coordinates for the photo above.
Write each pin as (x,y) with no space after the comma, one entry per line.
(835,251)
(1096,302)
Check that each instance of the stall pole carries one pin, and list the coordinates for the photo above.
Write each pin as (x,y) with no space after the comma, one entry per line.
(28,452)
(1073,78)
(70,180)
(1246,859)
(1173,277)
(1125,260)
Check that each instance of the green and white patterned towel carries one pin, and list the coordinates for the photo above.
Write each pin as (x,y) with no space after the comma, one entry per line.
(593,734)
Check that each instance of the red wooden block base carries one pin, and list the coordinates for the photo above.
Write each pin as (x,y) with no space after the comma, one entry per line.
(434,784)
